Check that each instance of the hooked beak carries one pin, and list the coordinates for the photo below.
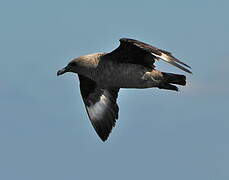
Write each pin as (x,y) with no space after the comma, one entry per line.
(62,71)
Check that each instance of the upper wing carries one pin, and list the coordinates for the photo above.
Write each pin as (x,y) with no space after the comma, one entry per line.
(136,52)
(101,106)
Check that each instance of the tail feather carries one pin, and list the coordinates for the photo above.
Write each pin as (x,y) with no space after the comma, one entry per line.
(168,86)
(169,79)
(174,78)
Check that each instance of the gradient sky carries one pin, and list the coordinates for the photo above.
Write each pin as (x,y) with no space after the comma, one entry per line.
(44,130)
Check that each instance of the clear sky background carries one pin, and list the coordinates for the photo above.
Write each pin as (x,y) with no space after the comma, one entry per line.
(44,130)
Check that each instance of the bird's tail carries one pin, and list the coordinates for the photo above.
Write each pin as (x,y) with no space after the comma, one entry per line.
(170,78)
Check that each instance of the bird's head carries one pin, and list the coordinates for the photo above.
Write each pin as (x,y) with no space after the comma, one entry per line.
(72,66)
(82,64)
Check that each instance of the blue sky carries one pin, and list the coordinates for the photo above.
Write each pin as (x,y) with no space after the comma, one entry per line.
(44,130)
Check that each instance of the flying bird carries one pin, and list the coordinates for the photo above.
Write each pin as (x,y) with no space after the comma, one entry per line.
(131,65)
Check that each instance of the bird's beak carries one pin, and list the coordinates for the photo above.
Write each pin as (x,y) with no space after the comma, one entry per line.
(62,71)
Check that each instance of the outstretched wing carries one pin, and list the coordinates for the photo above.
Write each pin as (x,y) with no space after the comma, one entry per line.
(136,52)
(101,106)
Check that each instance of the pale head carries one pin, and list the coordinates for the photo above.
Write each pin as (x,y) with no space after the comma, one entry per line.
(81,64)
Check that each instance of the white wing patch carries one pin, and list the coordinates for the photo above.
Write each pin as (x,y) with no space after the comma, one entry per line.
(163,57)
(172,60)
(97,110)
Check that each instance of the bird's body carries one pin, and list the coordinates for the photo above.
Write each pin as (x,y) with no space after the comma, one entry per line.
(131,65)
(123,75)
(114,74)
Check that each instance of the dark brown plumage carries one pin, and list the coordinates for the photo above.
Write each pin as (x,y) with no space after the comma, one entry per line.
(91,95)
(131,65)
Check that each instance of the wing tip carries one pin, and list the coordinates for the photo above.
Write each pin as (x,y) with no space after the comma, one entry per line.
(105,138)
(102,132)
(175,62)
